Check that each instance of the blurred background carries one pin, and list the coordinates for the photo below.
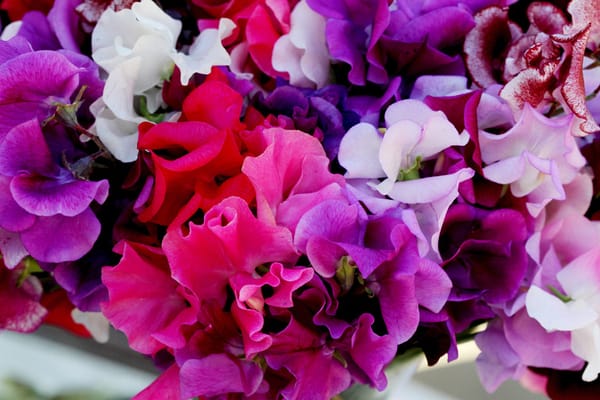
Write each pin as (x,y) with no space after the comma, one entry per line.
(54,365)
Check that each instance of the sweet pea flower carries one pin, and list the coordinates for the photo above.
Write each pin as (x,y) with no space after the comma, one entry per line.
(536,157)
(137,48)
(302,52)
(39,198)
(21,309)
(414,134)
(544,63)
(577,310)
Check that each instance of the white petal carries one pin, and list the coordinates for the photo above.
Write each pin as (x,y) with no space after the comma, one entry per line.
(119,90)
(206,51)
(414,110)
(95,322)
(438,135)
(303,53)
(553,314)
(396,151)
(359,152)
(438,85)
(151,16)
(119,136)
(585,343)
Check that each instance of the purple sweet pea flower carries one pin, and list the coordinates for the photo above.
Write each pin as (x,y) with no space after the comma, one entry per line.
(30,83)
(323,112)
(370,37)
(45,198)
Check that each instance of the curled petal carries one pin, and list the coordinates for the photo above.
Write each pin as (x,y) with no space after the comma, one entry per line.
(491,27)
(45,197)
(584,12)
(573,89)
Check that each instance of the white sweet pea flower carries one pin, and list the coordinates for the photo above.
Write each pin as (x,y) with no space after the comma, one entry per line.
(137,49)
(205,52)
(303,53)
(576,311)
(415,133)
(144,31)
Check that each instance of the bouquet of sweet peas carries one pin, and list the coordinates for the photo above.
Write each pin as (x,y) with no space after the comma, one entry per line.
(279,198)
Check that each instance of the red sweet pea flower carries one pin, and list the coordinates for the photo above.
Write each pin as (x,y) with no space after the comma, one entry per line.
(197,162)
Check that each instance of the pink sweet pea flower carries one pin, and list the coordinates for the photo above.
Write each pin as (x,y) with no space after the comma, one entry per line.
(536,157)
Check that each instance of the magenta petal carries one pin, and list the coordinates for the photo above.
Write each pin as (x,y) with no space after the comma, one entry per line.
(497,361)
(248,241)
(58,238)
(12,48)
(143,298)
(36,30)
(290,279)
(348,46)
(538,347)
(219,374)
(248,310)
(332,219)
(65,21)
(399,306)
(44,196)
(371,352)
(165,387)
(316,371)
(209,277)
(432,285)
(21,310)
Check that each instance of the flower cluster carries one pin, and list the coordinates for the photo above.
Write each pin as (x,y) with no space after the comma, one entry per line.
(275,200)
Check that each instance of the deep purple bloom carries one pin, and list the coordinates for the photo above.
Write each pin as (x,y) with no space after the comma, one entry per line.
(322,112)
(484,255)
